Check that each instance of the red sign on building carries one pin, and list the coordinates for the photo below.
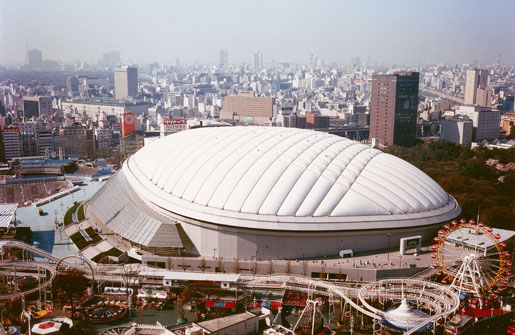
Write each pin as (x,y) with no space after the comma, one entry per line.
(128,123)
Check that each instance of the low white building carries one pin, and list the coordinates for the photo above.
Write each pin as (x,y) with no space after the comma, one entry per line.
(486,121)
(238,324)
(457,130)
(99,106)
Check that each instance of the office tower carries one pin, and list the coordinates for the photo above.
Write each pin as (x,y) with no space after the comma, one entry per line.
(457,130)
(125,82)
(393,108)
(37,106)
(34,59)
(2,150)
(75,139)
(508,123)
(72,85)
(477,91)
(111,59)
(314,121)
(12,142)
(223,58)
(45,142)
(257,60)
(247,108)
(486,122)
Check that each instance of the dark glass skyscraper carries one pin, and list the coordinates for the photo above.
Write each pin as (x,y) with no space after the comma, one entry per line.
(393,108)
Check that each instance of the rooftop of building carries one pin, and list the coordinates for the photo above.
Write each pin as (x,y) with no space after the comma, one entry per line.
(7,212)
(225,322)
(108,101)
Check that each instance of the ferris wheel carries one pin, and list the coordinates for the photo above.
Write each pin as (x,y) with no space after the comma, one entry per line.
(471,258)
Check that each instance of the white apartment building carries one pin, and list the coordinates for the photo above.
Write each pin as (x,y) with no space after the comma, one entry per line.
(486,121)
(12,142)
(457,130)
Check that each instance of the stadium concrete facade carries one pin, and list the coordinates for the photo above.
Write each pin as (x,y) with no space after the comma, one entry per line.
(269,193)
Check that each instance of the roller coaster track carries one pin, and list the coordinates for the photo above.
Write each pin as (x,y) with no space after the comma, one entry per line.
(32,266)
(427,293)
(435,297)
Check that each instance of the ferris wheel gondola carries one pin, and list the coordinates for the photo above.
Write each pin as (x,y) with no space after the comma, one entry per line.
(471,257)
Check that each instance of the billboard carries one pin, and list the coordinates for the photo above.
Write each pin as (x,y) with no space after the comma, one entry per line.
(128,123)
(170,126)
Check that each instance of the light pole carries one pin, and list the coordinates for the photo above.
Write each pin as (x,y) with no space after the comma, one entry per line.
(389,235)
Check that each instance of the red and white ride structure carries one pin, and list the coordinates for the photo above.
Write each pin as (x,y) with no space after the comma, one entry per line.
(471,258)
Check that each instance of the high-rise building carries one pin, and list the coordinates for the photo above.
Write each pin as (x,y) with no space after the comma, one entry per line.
(393,108)
(247,108)
(477,91)
(508,123)
(111,59)
(12,142)
(125,82)
(34,59)
(257,60)
(314,121)
(72,85)
(457,130)
(37,106)
(486,122)
(223,58)
(45,142)
(75,139)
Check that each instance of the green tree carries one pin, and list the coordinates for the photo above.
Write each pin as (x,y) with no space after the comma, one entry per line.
(477,169)
(71,285)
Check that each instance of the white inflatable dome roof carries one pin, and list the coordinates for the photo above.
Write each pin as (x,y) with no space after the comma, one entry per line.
(283,174)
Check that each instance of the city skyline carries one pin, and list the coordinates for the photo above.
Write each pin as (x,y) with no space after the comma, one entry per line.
(398,32)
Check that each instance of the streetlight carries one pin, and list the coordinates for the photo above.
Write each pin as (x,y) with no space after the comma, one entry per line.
(389,235)
(400,260)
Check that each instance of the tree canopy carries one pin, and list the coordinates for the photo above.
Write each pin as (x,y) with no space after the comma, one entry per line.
(478,187)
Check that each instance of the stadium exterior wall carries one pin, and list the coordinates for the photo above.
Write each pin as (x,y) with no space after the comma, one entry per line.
(218,240)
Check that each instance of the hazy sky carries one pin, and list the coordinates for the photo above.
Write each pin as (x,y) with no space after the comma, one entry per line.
(385,30)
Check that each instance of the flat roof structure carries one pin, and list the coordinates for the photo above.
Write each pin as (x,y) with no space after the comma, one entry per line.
(474,239)
(218,324)
(7,214)
(193,276)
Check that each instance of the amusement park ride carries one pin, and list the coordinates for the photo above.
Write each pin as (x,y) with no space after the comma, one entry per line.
(471,259)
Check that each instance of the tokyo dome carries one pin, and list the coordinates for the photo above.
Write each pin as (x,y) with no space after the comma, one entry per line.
(269,193)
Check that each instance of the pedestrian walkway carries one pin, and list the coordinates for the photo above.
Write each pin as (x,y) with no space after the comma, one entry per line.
(45,234)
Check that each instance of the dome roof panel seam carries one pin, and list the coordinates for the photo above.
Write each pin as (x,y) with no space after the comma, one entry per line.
(241,152)
(198,164)
(319,174)
(422,177)
(292,163)
(420,197)
(386,193)
(277,157)
(275,138)
(168,169)
(185,162)
(419,180)
(175,151)
(342,202)
(389,184)
(352,180)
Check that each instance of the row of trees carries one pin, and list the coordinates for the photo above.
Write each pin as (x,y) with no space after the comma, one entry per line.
(479,188)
